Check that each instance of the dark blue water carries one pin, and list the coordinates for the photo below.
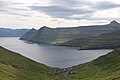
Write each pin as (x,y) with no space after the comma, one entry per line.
(54,56)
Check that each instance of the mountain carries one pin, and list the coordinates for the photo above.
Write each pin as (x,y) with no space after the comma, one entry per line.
(114,23)
(14,66)
(104,41)
(6,32)
(61,35)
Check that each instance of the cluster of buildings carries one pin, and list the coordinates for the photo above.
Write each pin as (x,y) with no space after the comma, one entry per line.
(65,71)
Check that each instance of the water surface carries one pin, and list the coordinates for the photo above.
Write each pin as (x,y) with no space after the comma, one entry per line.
(54,56)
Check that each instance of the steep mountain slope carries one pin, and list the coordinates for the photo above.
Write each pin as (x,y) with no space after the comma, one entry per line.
(60,35)
(16,67)
(6,32)
(104,41)
(30,34)
(106,67)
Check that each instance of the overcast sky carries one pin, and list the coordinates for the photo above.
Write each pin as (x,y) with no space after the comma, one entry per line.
(57,13)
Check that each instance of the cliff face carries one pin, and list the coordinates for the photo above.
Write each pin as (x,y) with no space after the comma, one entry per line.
(29,35)
(104,41)
(61,35)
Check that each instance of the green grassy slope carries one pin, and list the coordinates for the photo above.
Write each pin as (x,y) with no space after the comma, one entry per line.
(104,41)
(109,41)
(106,67)
(16,67)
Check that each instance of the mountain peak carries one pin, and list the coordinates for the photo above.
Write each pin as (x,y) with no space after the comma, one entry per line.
(32,29)
(114,23)
(44,27)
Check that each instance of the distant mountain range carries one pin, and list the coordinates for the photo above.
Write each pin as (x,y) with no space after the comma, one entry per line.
(87,37)
(7,32)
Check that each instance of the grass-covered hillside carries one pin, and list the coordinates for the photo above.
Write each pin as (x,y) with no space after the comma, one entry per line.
(13,66)
(106,67)
(16,67)
(104,41)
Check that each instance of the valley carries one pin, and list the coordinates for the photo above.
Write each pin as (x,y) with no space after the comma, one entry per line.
(16,67)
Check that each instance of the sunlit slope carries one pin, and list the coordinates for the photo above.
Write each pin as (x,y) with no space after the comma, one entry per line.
(104,41)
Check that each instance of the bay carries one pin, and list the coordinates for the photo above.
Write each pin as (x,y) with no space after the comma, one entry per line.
(54,56)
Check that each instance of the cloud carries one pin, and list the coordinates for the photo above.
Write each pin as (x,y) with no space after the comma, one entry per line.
(105,5)
(10,8)
(19,9)
(6,5)
(18,14)
(61,12)
(69,3)
(2,6)
(101,19)
(68,9)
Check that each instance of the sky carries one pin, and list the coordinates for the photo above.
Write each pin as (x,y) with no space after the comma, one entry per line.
(57,13)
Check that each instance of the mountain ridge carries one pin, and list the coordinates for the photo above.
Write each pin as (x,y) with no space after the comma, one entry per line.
(7,32)
(57,36)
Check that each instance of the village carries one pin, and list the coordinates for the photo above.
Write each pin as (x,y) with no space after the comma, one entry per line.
(65,71)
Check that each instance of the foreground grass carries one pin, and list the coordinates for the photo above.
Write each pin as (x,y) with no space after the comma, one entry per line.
(16,67)
(106,67)
(13,66)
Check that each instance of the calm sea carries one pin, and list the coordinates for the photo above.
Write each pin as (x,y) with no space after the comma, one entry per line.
(54,56)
